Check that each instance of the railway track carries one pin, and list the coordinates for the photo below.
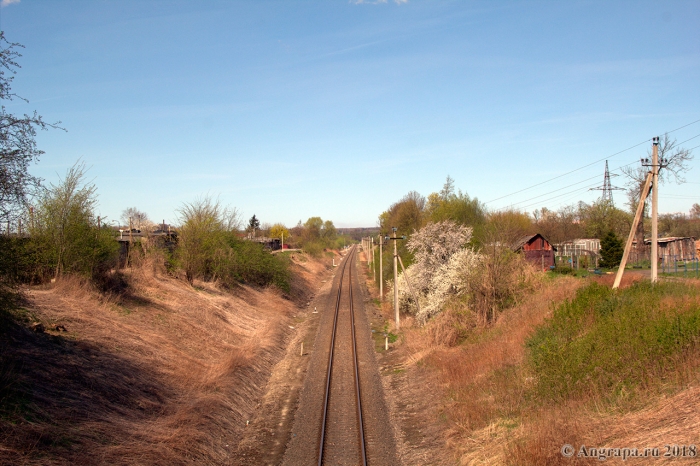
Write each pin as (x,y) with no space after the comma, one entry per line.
(342,417)
(336,359)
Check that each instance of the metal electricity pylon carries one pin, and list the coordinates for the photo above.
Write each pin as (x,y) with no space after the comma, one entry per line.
(607,187)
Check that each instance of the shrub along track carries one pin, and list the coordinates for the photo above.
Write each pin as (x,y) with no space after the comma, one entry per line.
(342,417)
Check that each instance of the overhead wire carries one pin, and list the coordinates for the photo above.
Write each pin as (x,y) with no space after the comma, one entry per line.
(576,191)
(568,173)
(573,184)
(593,163)
(584,188)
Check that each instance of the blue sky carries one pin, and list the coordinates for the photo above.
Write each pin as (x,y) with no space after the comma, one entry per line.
(293,109)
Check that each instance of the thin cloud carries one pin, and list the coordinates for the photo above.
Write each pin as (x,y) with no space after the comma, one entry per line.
(5,3)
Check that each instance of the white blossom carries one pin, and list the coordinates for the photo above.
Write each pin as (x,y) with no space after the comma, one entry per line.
(442,267)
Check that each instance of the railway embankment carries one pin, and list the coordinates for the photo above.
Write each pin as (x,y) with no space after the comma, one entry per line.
(573,365)
(164,373)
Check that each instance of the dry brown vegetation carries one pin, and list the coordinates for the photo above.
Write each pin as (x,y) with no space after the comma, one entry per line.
(486,414)
(165,373)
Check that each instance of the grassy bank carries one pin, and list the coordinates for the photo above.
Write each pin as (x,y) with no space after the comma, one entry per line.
(574,362)
(608,345)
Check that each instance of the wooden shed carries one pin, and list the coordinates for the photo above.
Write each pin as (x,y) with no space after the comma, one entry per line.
(676,248)
(537,249)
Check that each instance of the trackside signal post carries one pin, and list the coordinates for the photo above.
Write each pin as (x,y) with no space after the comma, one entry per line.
(396,281)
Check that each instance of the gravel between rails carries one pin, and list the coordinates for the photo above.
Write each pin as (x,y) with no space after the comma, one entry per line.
(379,433)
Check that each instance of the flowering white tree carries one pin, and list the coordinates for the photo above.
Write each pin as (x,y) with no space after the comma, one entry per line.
(442,267)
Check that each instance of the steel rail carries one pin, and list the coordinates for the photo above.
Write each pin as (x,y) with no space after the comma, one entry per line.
(329,372)
(357,374)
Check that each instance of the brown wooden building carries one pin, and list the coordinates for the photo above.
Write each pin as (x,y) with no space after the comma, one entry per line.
(675,248)
(537,249)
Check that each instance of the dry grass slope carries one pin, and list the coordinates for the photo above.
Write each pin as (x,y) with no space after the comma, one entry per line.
(166,374)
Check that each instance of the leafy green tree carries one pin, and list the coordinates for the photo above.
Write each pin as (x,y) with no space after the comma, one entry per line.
(601,217)
(455,206)
(204,225)
(406,215)
(505,227)
(312,228)
(611,250)
(329,233)
(65,232)
(279,231)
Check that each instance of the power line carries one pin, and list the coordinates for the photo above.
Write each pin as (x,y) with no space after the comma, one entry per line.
(568,173)
(585,188)
(689,140)
(678,196)
(674,130)
(592,163)
(573,184)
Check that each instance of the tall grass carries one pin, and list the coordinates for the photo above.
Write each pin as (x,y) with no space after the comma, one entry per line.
(515,392)
(605,343)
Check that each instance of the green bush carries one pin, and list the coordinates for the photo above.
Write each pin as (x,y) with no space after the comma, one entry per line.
(249,262)
(209,249)
(313,248)
(611,250)
(65,237)
(606,342)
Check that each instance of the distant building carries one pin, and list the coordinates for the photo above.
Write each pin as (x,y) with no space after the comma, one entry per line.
(579,247)
(270,243)
(676,248)
(537,249)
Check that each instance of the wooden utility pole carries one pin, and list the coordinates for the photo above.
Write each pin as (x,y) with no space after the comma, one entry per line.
(381,271)
(396,275)
(630,237)
(369,258)
(655,210)
(374,268)
(396,284)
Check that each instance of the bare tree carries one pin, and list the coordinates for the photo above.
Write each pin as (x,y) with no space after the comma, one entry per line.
(675,162)
(134,217)
(18,147)
(695,211)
